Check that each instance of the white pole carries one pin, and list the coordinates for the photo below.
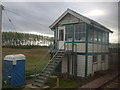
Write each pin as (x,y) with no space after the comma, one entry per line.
(0,46)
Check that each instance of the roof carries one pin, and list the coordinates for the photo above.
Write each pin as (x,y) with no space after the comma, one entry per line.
(81,17)
(14,57)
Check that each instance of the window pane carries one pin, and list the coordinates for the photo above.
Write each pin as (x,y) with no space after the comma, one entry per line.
(61,35)
(69,32)
(80,32)
(95,36)
(90,35)
(99,37)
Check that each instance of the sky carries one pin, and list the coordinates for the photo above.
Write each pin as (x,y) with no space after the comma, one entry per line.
(36,17)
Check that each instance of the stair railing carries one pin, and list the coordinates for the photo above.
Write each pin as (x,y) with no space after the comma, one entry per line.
(54,56)
(36,73)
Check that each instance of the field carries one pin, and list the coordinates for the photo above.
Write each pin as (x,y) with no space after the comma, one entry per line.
(33,57)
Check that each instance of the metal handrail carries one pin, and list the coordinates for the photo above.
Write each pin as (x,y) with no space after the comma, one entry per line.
(44,56)
(53,57)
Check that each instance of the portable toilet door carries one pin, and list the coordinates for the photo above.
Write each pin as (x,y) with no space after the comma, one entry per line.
(14,69)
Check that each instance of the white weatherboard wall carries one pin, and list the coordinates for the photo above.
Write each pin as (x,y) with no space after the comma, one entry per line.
(106,62)
(81,65)
(95,66)
(99,48)
(99,62)
(103,66)
(90,47)
(90,61)
(103,48)
(70,65)
(68,46)
(95,47)
(80,47)
(64,64)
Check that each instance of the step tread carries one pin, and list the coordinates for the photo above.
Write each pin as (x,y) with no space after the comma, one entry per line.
(39,80)
(37,84)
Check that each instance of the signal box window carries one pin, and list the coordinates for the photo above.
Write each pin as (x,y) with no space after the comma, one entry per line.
(61,35)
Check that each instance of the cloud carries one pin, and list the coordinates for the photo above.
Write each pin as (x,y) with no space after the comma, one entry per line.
(37,16)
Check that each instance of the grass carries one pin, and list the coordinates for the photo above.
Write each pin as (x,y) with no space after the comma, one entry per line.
(33,57)
(64,83)
(6,87)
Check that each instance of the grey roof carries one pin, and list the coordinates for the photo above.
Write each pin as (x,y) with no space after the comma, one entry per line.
(83,18)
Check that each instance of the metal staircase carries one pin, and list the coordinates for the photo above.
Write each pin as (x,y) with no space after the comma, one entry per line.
(41,79)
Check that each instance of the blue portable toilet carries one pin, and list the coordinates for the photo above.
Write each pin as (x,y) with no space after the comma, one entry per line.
(14,69)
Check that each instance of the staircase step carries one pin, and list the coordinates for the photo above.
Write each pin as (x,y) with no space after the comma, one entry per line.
(42,78)
(37,84)
(61,54)
(47,72)
(49,69)
(58,56)
(39,80)
(51,66)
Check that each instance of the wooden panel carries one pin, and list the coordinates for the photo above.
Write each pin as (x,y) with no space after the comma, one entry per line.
(102,48)
(106,62)
(81,65)
(99,62)
(70,65)
(64,65)
(69,19)
(80,47)
(103,66)
(90,62)
(90,47)
(69,46)
(95,66)
(99,48)
(95,47)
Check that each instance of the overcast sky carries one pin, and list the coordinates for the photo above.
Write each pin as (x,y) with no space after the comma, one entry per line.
(36,17)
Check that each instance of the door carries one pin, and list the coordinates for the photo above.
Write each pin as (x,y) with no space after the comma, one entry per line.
(61,37)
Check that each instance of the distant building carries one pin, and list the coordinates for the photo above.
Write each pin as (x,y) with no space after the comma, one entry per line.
(85,43)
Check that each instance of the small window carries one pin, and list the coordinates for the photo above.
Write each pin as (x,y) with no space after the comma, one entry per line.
(103,58)
(61,35)
(69,32)
(95,58)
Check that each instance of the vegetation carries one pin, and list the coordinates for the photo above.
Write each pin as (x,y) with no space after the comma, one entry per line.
(33,57)
(19,39)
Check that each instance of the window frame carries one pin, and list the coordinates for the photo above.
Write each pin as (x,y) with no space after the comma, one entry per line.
(81,32)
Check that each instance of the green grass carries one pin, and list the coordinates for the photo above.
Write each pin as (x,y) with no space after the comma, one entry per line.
(69,83)
(33,57)
(12,87)
(64,83)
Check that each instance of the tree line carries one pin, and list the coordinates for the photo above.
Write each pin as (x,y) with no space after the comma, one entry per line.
(23,39)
